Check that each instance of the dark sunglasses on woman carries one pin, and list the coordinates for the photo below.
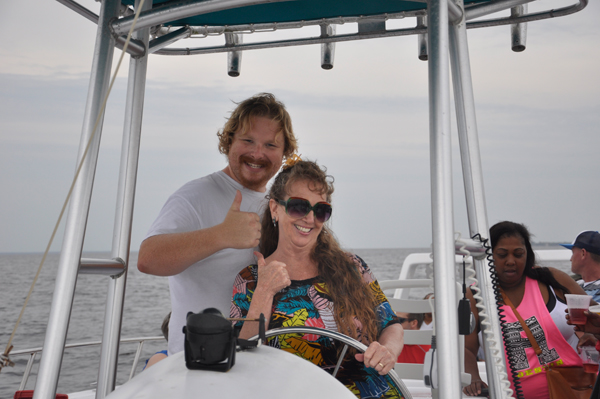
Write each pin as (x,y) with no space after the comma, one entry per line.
(300,207)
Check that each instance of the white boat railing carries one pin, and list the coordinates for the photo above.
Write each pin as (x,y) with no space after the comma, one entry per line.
(417,266)
(33,352)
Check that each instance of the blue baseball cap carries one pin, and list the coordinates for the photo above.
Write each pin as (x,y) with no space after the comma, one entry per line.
(588,240)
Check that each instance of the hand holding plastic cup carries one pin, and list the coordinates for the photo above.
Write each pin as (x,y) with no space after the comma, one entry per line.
(589,356)
(577,304)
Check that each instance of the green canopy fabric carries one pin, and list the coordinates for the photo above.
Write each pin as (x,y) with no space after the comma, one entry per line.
(295,10)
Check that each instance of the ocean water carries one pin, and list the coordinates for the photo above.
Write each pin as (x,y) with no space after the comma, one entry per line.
(146,304)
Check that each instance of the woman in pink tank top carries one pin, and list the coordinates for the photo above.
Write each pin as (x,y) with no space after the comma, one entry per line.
(527,287)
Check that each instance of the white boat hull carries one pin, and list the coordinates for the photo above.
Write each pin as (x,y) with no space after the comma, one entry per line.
(264,372)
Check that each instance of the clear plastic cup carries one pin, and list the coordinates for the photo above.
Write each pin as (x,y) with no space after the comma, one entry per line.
(589,356)
(595,309)
(577,304)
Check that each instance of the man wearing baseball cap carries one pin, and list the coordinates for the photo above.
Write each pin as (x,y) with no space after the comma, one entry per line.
(585,261)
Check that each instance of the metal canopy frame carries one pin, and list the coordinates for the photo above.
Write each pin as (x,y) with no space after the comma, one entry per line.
(447,46)
(166,31)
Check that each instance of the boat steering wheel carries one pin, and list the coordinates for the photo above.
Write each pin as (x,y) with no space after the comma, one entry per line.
(346,340)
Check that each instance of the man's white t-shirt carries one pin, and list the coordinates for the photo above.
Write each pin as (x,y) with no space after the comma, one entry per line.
(200,204)
(425,327)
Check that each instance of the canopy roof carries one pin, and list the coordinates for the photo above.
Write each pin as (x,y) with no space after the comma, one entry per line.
(297,10)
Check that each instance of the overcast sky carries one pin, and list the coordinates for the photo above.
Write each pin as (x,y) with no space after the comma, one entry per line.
(366,120)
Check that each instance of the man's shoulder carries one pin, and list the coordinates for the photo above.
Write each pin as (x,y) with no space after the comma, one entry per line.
(215,192)
(215,178)
(590,286)
(206,185)
(218,181)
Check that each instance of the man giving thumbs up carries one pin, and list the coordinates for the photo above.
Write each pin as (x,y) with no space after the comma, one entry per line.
(209,228)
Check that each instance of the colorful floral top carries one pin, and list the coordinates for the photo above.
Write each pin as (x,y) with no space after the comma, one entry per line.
(307,303)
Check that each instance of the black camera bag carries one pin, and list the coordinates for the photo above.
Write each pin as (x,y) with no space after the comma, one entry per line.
(210,342)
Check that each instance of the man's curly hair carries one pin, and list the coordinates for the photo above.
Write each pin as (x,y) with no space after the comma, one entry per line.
(260,105)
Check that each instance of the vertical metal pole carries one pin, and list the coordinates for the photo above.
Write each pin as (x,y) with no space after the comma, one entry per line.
(518,32)
(66,279)
(234,58)
(448,360)
(27,371)
(475,198)
(422,39)
(136,359)
(327,49)
(124,215)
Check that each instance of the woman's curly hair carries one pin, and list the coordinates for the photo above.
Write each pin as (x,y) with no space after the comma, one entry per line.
(352,298)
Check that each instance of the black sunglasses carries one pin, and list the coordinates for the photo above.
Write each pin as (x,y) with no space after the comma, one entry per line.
(300,207)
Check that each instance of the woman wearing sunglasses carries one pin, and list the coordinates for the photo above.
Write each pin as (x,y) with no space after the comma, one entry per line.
(303,278)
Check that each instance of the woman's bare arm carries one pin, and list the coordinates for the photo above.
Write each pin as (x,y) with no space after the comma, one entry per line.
(471,349)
